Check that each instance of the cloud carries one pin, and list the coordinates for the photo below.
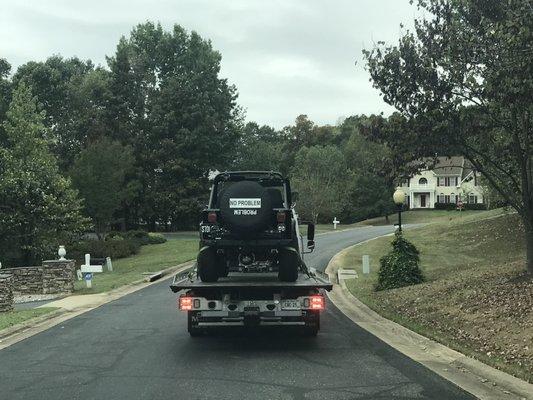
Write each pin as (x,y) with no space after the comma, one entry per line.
(286,57)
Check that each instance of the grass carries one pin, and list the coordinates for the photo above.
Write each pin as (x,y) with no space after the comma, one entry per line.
(415,217)
(477,298)
(11,318)
(151,258)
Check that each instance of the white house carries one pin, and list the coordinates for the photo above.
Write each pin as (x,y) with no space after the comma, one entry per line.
(451,180)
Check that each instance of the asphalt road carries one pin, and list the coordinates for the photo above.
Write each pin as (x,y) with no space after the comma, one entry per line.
(137,347)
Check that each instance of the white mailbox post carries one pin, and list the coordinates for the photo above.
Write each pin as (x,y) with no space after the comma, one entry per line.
(335,222)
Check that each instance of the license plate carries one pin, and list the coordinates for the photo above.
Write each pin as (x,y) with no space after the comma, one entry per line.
(290,305)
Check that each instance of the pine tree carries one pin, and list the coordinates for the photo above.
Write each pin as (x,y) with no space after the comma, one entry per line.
(39,210)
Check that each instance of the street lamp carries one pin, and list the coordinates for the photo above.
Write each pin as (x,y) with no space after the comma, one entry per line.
(399,200)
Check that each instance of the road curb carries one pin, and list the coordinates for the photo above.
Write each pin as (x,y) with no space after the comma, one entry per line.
(475,377)
(66,311)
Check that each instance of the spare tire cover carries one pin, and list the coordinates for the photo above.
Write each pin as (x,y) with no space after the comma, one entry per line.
(246,207)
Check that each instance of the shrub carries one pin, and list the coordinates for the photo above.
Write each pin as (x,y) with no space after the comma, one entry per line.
(475,206)
(114,235)
(445,206)
(100,249)
(156,238)
(140,236)
(400,267)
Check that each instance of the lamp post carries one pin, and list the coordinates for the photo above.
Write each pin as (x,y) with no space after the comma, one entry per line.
(399,199)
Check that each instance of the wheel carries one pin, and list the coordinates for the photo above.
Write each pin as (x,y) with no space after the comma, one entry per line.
(289,262)
(207,265)
(222,268)
(192,327)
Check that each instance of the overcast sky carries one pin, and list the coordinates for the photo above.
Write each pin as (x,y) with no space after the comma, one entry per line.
(286,57)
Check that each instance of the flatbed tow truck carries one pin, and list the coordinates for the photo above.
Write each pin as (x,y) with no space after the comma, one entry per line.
(252,300)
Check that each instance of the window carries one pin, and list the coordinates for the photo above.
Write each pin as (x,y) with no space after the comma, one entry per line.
(447,198)
(452,198)
(422,181)
(472,199)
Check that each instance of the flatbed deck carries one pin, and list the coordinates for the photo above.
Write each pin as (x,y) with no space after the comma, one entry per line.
(252,280)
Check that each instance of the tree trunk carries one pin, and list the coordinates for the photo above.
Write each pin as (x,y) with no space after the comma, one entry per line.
(529,251)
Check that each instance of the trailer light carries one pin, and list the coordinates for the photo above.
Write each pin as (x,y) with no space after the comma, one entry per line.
(306,302)
(185,303)
(212,217)
(281,217)
(317,303)
(196,303)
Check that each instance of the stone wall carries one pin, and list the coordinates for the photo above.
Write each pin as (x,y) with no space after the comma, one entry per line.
(58,276)
(6,291)
(27,280)
(55,276)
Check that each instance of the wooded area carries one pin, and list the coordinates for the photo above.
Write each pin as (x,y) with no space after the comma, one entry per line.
(130,145)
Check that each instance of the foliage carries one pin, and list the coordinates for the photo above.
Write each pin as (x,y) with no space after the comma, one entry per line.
(104,248)
(400,267)
(464,79)
(446,206)
(169,103)
(99,173)
(320,176)
(62,89)
(156,238)
(261,148)
(39,210)
(5,95)
(475,206)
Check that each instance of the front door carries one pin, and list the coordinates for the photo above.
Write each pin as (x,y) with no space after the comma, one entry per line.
(423,200)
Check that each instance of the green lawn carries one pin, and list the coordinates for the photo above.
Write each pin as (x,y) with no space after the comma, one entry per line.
(151,258)
(16,317)
(477,298)
(415,217)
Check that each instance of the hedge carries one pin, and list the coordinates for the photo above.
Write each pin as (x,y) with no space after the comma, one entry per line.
(445,206)
(99,248)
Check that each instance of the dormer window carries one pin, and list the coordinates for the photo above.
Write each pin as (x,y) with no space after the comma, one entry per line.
(422,181)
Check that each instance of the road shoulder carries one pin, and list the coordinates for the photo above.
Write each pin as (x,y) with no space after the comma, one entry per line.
(471,375)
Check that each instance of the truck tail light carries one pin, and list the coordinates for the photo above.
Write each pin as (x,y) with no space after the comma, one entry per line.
(317,303)
(281,217)
(185,303)
(212,217)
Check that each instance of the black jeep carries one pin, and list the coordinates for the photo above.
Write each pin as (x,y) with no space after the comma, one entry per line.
(250,225)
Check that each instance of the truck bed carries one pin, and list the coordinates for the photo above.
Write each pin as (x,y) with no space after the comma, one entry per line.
(252,280)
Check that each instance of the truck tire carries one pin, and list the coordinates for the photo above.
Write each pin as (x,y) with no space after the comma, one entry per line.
(288,265)
(253,215)
(207,265)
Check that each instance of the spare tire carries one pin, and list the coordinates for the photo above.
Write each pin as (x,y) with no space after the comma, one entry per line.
(245,207)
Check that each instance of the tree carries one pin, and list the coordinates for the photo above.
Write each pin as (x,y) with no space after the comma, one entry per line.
(304,133)
(320,176)
(62,90)
(464,78)
(374,171)
(180,117)
(39,210)
(261,148)
(99,173)
(5,94)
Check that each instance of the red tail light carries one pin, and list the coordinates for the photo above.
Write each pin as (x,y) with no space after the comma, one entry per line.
(281,217)
(317,303)
(185,303)
(212,217)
